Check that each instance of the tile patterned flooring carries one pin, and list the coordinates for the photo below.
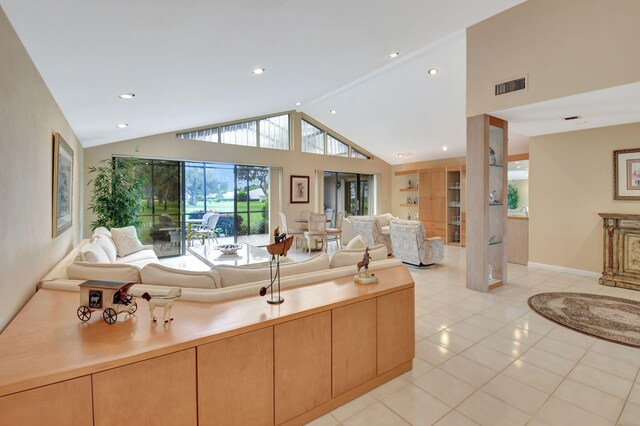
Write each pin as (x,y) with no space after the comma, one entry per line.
(488,359)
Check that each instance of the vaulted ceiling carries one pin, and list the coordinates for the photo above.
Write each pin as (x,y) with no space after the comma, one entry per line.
(190,63)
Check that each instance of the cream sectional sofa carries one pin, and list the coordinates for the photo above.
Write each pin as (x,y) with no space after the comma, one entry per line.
(220,283)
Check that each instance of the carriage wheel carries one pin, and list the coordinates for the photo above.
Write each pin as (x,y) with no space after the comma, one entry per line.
(110,316)
(84,313)
(134,307)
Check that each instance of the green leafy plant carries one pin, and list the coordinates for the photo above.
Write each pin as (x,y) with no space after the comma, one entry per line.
(118,186)
(512,197)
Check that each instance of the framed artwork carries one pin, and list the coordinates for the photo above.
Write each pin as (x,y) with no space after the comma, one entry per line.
(62,185)
(626,174)
(299,189)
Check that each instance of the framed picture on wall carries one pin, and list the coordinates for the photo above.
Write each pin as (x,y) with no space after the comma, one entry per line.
(62,185)
(299,189)
(626,174)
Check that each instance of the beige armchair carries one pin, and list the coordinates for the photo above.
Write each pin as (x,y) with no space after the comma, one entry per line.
(411,245)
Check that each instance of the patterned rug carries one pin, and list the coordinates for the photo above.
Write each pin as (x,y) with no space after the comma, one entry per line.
(608,318)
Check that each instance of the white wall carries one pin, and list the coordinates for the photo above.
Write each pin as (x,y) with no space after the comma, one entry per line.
(29,116)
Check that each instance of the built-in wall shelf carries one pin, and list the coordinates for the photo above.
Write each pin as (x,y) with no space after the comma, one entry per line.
(406,172)
(410,205)
(409,190)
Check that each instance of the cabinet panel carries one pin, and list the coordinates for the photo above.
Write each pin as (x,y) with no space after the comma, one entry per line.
(159,391)
(425,184)
(235,380)
(354,345)
(396,340)
(60,404)
(302,365)
(439,184)
(439,209)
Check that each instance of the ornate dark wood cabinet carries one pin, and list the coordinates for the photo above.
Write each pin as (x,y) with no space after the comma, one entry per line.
(621,250)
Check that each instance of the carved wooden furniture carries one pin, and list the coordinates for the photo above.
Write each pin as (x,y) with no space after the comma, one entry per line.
(621,254)
(230,363)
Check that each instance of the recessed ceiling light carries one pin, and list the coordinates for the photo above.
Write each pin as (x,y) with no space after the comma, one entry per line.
(258,71)
(394,54)
(517,162)
(400,155)
(127,96)
(432,71)
(122,125)
(298,103)
(444,148)
(332,111)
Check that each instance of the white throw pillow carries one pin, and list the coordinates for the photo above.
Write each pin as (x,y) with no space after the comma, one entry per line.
(94,253)
(356,242)
(102,231)
(107,245)
(126,240)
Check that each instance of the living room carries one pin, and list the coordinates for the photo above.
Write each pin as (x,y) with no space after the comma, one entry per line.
(575,55)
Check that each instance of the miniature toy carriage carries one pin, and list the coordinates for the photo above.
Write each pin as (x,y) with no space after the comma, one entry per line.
(110,297)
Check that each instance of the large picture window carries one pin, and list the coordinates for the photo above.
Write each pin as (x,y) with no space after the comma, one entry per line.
(239,134)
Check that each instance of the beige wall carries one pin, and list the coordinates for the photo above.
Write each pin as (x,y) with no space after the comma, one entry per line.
(28,118)
(565,46)
(570,182)
(398,182)
(292,162)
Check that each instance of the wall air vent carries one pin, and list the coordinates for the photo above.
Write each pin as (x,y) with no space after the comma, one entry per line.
(511,86)
(573,117)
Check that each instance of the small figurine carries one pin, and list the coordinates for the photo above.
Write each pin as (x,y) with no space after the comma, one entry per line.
(415,200)
(409,200)
(277,236)
(409,184)
(492,198)
(493,239)
(165,302)
(365,278)
(110,297)
(409,216)
(492,157)
(490,273)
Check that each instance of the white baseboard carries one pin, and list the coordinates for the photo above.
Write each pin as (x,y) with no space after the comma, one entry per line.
(580,272)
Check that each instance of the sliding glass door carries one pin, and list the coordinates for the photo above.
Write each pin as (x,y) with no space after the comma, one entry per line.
(252,205)
(348,192)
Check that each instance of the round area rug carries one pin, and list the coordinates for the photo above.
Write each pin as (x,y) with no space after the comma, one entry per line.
(605,317)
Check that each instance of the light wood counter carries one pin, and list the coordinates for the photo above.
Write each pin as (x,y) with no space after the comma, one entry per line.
(518,239)
(46,343)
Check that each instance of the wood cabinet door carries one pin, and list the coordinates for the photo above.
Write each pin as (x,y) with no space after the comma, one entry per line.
(302,350)
(60,404)
(426,209)
(439,184)
(353,345)
(396,329)
(235,380)
(439,209)
(425,184)
(158,391)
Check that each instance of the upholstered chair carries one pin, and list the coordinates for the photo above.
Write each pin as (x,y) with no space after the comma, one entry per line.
(370,230)
(411,245)
(336,233)
(317,230)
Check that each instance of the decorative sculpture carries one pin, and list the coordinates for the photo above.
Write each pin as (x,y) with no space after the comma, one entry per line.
(493,198)
(365,278)
(165,302)
(279,248)
(492,157)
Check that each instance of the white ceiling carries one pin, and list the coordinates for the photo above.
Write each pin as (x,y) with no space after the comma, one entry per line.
(189,63)
(606,107)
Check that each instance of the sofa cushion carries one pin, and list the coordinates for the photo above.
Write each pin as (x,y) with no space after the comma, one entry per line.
(103,271)
(356,242)
(107,245)
(157,274)
(234,275)
(93,252)
(126,240)
(146,254)
(350,257)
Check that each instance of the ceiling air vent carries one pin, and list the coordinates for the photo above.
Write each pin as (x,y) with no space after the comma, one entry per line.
(511,86)
(573,117)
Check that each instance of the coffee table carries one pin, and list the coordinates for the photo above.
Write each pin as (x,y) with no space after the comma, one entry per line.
(247,255)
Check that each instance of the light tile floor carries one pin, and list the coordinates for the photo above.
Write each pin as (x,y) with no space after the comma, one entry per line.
(489,359)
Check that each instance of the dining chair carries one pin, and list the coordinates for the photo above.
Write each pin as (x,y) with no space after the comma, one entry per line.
(336,233)
(208,231)
(317,230)
(296,232)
